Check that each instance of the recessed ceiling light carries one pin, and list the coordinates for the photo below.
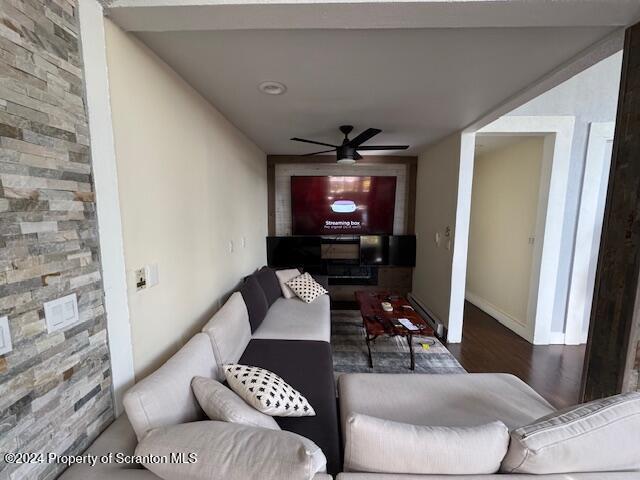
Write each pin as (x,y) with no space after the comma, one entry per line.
(272,88)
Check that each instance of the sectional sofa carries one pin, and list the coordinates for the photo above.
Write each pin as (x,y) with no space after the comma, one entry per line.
(464,400)
(257,326)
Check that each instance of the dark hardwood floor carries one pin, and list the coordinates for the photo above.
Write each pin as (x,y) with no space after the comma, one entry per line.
(554,371)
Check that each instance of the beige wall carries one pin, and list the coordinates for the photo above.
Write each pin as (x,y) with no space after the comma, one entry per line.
(504,208)
(436,203)
(189,183)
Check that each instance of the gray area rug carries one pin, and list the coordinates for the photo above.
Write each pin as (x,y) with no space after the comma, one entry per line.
(390,354)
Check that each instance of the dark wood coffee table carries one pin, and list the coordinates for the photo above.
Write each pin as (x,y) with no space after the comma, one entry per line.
(377,322)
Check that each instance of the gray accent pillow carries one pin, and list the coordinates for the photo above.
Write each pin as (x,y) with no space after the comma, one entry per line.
(384,446)
(269,283)
(220,403)
(228,451)
(599,436)
(254,299)
(283,277)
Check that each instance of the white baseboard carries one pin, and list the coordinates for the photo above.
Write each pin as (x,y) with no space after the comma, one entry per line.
(504,318)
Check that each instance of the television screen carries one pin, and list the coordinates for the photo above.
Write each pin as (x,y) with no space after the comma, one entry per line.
(343,205)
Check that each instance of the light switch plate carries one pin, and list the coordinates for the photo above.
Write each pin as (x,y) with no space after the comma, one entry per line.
(5,336)
(61,312)
(151,272)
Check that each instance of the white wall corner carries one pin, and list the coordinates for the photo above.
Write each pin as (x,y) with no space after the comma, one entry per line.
(107,197)
(461,238)
(588,232)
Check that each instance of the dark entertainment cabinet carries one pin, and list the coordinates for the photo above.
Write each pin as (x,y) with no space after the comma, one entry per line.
(385,262)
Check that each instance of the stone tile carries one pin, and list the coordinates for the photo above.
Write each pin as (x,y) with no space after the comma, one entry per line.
(38,227)
(48,240)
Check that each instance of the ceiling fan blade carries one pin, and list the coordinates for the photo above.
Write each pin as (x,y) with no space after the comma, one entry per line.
(318,153)
(295,139)
(384,147)
(357,156)
(364,136)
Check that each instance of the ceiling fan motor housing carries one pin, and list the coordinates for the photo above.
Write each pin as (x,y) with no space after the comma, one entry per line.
(346,151)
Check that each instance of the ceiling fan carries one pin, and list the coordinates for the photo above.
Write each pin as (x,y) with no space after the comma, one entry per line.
(347,152)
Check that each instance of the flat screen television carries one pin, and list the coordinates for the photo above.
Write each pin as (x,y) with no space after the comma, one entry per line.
(342,205)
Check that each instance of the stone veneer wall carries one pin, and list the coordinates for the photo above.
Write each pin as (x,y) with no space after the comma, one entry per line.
(55,389)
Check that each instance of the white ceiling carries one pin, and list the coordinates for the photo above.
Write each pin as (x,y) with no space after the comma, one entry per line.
(416,84)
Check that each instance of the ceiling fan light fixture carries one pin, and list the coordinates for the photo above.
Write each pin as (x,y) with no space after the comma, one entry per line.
(346,161)
(272,88)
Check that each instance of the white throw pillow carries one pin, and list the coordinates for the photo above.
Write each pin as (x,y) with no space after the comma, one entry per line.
(283,277)
(599,436)
(228,451)
(306,288)
(220,403)
(267,392)
(384,446)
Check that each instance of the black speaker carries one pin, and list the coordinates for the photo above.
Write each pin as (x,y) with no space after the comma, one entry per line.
(402,250)
(294,252)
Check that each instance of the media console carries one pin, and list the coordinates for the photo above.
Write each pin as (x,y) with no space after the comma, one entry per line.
(367,262)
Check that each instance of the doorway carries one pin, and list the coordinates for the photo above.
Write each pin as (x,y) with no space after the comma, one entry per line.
(509,196)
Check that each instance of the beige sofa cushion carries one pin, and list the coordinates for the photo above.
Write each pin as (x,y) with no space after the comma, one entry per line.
(230,331)
(221,403)
(165,397)
(283,277)
(295,320)
(228,451)
(384,446)
(599,436)
(456,400)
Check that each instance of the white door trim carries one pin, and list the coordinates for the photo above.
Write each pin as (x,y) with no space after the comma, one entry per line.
(559,130)
(107,198)
(588,232)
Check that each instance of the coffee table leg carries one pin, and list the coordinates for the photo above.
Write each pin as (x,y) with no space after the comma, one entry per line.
(413,360)
(369,350)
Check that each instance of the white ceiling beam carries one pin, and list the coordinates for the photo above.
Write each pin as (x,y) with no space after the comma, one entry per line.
(190,15)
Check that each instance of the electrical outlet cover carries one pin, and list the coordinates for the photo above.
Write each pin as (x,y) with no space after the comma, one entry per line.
(141,278)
